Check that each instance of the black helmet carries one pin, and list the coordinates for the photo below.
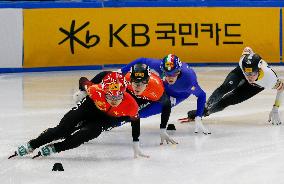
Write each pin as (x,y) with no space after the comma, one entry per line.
(140,73)
(250,63)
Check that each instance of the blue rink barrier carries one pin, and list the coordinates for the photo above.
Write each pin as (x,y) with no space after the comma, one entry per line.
(109,67)
(127,3)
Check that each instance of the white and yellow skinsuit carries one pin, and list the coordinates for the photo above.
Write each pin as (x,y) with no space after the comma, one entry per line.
(267,79)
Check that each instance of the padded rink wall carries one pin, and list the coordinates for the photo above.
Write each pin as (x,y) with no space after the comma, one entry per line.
(85,36)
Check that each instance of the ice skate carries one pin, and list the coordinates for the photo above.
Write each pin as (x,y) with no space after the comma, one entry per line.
(45,151)
(22,151)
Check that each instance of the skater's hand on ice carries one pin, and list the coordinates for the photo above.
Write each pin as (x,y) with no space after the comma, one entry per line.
(279,86)
(165,137)
(137,150)
(199,126)
(274,117)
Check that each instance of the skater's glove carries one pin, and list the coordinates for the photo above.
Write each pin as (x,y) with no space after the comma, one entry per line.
(199,126)
(83,81)
(137,150)
(165,137)
(274,117)
(173,101)
(247,50)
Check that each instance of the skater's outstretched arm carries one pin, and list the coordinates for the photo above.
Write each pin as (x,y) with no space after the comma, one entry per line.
(135,124)
(165,115)
(274,117)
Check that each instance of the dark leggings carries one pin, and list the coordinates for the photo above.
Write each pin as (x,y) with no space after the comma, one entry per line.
(238,95)
(235,89)
(85,112)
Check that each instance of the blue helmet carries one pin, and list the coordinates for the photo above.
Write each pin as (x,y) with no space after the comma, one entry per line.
(171,65)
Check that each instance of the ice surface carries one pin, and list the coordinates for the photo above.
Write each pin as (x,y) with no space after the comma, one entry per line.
(243,147)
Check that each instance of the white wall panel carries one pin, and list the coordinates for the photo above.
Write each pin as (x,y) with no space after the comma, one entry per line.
(11,38)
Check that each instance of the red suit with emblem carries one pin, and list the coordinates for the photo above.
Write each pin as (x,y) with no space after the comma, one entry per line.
(96,93)
(106,103)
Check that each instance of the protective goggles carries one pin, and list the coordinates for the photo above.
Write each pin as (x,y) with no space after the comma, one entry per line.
(172,74)
(114,97)
(140,82)
(250,73)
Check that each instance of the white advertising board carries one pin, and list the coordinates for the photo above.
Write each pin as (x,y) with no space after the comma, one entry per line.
(11,38)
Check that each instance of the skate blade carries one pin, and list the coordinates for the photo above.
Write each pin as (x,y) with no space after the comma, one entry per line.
(36,156)
(185,120)
(14,155)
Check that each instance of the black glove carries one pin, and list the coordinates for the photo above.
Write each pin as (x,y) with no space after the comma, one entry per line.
(191,114)
(82,82)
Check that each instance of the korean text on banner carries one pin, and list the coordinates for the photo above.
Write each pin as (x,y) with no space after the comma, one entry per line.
(76,37)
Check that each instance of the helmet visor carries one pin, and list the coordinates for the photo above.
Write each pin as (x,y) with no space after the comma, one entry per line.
(139,83)
(250,72)
(172,74)
(114,97)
